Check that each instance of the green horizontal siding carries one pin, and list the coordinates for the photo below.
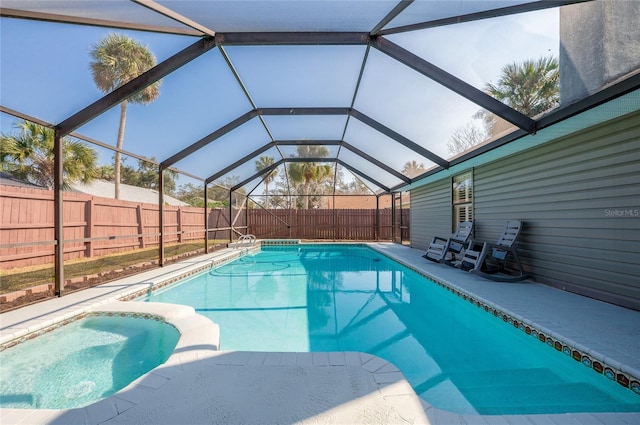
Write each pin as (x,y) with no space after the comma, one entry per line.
(578,197)
(430,213)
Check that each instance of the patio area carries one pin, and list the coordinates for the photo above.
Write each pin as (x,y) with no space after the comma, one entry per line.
(385,122)
(204,385)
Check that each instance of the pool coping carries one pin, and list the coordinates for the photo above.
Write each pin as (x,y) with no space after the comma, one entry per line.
(625,375)
(111,407)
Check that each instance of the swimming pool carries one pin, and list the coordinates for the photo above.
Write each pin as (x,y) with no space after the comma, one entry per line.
(351,298)
(83,361)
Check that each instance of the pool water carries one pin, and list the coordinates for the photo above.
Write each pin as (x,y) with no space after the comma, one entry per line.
(351,298)
(82,362)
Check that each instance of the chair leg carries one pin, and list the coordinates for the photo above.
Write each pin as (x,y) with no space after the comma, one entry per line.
(482,258)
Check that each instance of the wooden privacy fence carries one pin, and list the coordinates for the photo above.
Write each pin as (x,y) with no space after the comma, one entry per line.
(328,224)
(93,226)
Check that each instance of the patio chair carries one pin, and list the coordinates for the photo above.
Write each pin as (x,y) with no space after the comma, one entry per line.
(443,250)
(490,260)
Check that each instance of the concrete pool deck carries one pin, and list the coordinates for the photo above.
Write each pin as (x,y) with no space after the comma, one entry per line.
(202,385)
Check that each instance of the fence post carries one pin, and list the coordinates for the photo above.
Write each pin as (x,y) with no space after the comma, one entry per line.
(206,221)
(334,217)
(180,224)
(376,228)
(140,225)
(88,228)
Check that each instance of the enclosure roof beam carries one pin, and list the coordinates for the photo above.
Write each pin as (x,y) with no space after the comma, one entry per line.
(291,38)
(259,173)
(239,162)
(374,161)
(364,119)
(399,138)
(308,142)
(209,138)
(165,11)
(361,174)
(455,84)
(485,14)
(304,111)
(26,117)
(319,159)
(67,19)
(391,15)
(136,85)
(346,145)
(557,115)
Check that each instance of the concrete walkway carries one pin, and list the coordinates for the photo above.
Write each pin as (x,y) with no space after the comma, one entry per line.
(210,386)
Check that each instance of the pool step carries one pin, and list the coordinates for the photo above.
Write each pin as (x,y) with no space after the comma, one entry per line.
(471,379)
(531,390)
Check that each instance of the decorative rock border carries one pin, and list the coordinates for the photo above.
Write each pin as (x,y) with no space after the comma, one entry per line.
(12,296)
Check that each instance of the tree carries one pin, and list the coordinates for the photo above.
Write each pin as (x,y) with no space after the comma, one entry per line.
(146,175)
(193,195)
(29,155)
(412,169)
(116,60)
(309,172)
(262,163)
(355,186)
(465,137)
(530,87)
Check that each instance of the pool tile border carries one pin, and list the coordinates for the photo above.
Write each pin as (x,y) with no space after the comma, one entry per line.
(163,283)
(593,360)
(52,327)
(270,242)
(215,262)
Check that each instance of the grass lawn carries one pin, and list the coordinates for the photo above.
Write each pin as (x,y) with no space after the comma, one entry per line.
(15,279)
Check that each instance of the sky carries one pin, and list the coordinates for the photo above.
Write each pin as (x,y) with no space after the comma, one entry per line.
(44,72)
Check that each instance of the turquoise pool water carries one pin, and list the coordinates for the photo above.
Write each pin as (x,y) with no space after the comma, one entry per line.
(350,298)
(82,362)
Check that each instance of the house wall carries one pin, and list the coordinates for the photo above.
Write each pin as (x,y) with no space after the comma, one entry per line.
(431,213)
(579,199)
(600,42)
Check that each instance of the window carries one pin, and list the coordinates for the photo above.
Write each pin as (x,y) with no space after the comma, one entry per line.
(462,198)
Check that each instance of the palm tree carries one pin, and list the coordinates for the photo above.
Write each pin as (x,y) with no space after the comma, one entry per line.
(308,172)
(29,155)
(116,60)
(262,163)
(412,169)
(530,87)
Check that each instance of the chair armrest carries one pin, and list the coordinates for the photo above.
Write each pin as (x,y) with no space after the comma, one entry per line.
(475,245)
(438,238)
